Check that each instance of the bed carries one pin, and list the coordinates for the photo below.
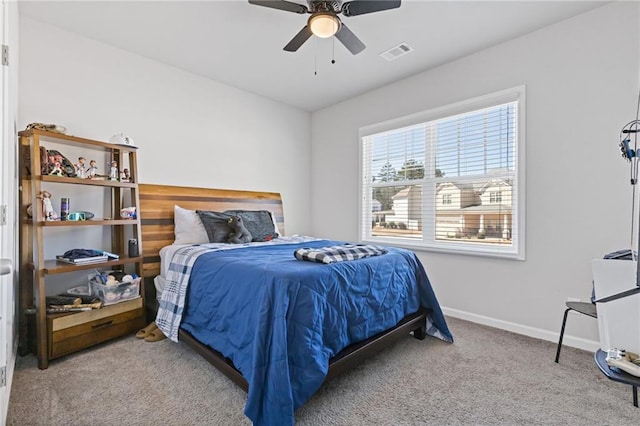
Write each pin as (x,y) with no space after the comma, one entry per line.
(277,326)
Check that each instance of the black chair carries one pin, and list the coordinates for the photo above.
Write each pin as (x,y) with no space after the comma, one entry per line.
(585,308)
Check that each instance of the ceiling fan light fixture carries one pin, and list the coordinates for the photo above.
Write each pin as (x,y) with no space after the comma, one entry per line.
(324,24)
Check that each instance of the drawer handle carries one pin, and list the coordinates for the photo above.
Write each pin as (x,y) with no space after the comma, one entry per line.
(104,324)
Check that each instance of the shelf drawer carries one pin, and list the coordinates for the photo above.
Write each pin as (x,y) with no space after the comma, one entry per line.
(70,333)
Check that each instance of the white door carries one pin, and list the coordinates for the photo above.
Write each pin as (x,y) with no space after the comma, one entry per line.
(8,248)
(4,256)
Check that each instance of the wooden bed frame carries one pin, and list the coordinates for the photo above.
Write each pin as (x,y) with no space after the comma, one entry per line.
(156,213)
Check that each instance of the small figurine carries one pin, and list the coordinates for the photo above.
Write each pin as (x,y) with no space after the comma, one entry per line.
(93,169)
(125,176)
(113,174)
(56,170)
(47,207)
(81,168)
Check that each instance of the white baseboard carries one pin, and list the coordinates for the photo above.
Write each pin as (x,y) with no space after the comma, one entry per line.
(572,341)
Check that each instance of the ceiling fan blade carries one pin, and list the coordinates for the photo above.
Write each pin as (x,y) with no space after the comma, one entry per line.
(281,5)
(350,40)
(360,7)
(299,39)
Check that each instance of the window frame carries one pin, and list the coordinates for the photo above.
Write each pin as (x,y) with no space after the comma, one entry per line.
(517,249)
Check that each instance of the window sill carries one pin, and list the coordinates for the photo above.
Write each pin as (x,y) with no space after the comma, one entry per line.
(447,249)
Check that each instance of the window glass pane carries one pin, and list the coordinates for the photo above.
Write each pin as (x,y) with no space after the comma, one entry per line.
(476,143)
(397,211)
(398,155)
(476,212)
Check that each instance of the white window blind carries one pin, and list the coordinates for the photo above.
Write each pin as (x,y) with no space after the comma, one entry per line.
(449,183)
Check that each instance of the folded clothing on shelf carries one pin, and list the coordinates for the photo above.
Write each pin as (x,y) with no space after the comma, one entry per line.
(82,253)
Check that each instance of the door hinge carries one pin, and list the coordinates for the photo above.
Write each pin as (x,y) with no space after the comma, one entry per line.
(5,55)
(3,215)
(3,376)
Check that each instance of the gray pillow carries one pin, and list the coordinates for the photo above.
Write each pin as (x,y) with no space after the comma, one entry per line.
(258,222)
(216,224)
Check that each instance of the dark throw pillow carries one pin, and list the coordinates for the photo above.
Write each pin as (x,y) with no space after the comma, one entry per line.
(258,223)
(216,224)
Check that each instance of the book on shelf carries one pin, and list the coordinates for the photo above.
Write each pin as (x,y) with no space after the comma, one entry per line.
(83,260)
(111,255)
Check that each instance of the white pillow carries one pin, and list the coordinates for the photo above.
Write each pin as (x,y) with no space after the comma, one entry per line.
(188,227)
(275,224)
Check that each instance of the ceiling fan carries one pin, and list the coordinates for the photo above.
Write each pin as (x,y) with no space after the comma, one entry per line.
(324,21)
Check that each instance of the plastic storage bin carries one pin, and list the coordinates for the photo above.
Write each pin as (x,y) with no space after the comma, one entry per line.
(110,294)
(618,320)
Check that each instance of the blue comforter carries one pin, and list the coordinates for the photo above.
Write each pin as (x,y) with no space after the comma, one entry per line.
(280,320)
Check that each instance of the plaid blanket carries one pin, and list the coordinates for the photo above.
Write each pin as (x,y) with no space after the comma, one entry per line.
(172,299)
(340,253)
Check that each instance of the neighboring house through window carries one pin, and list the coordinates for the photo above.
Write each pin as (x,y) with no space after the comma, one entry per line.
(449,179)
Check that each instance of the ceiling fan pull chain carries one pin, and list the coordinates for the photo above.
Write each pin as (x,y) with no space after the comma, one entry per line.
(333,50)
(315,57)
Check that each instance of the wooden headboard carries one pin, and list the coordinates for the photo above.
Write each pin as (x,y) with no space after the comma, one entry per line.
(156,213)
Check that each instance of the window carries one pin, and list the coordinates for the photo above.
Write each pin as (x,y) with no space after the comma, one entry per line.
(495,197)
(449,179)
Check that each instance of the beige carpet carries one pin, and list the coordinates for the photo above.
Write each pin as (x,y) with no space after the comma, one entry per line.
(487,377)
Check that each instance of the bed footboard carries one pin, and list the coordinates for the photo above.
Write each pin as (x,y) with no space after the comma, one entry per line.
(353,355)
(346,360)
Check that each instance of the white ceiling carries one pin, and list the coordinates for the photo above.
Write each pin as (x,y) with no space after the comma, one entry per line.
(240,44)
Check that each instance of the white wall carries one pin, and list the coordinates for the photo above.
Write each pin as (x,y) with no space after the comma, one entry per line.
(581,78)
(191,131)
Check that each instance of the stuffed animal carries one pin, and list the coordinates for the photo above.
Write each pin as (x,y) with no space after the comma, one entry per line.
(240,234)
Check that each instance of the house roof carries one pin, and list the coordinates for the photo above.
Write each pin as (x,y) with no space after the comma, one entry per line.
(402,193)
(479,187)
(493,183)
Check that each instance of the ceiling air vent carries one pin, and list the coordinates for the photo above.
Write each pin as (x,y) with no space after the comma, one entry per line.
(396,51)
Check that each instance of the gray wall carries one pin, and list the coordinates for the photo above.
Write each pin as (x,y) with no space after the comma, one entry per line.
(581,79)
(191,131)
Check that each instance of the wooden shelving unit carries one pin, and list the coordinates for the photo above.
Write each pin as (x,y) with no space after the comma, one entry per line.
(54,335)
